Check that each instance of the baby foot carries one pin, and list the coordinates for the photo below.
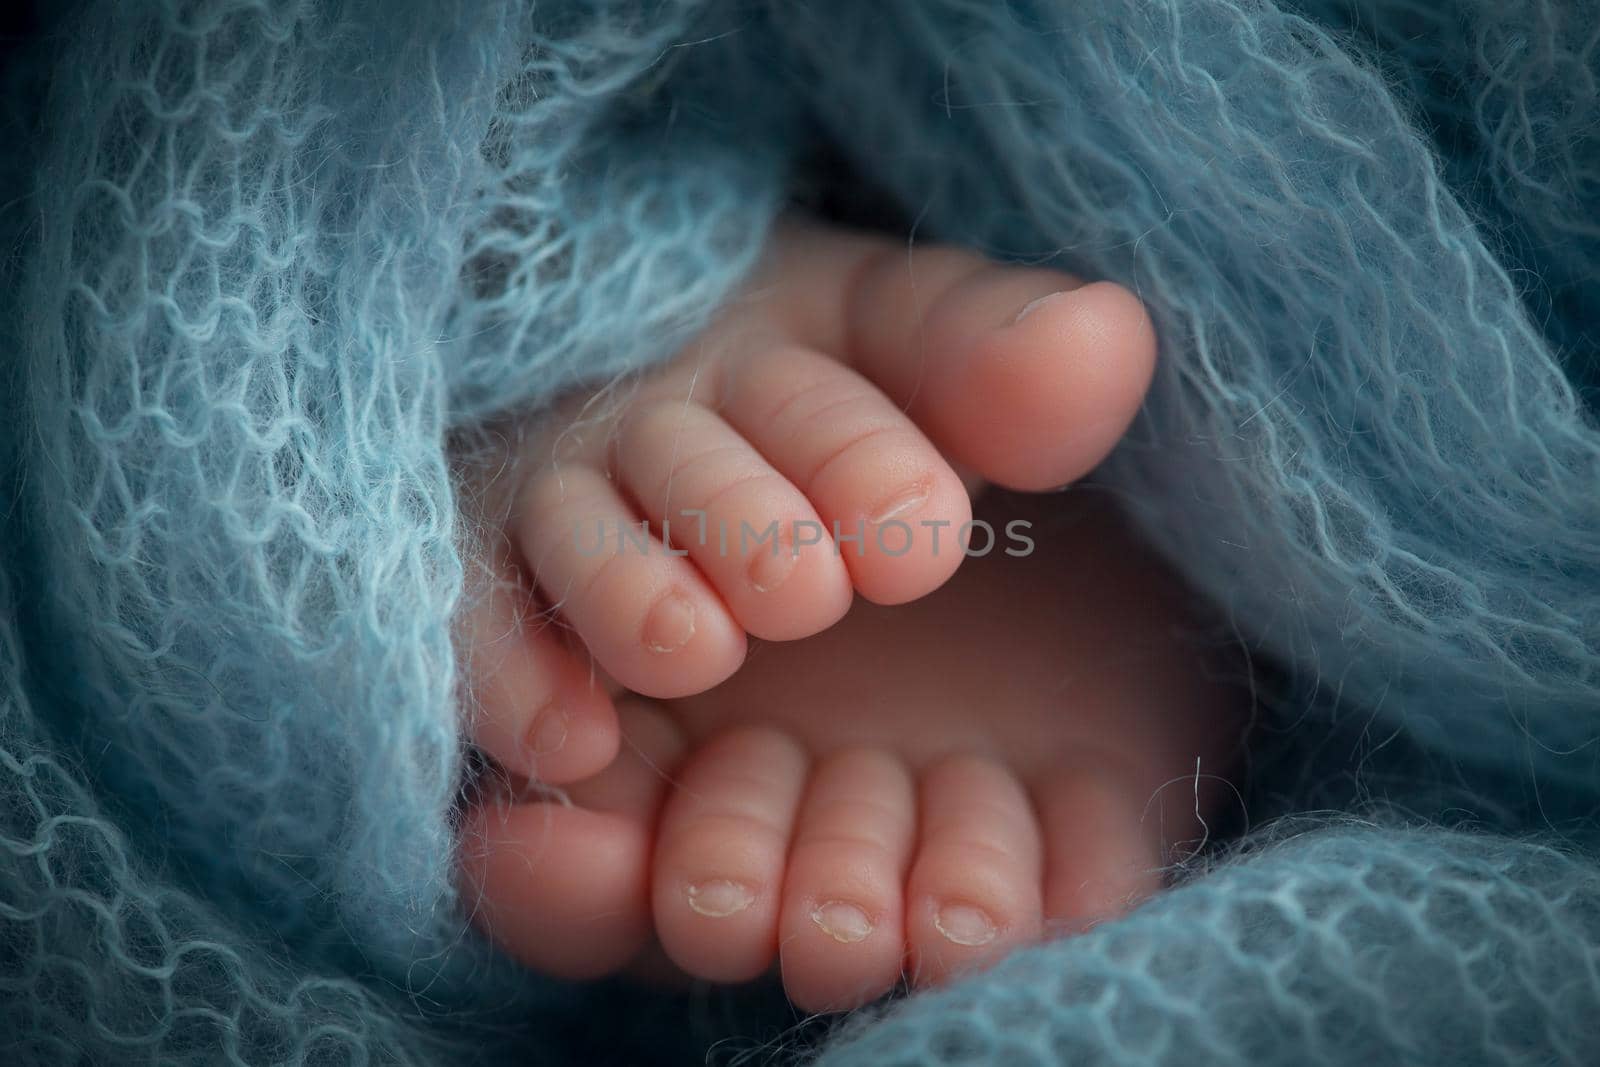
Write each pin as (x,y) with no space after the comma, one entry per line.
(921,790)
(825,402)
(799,451)
(912,793)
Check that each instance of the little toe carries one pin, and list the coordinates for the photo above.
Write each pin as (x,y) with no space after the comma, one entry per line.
(536,708)
(1102,855)
(720,854)
(891,503)
(749,530)
(842,932)
(974,890)
(1025,375)
(647,615)
(565,888)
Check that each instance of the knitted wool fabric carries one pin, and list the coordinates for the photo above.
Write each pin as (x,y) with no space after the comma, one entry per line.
(267,255)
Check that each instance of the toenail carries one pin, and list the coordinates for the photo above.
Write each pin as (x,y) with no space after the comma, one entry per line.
(770,568)
(903,501)
(965,925)
(843,922)
(719,898)
(1035,305)
(670,624)
(549,732)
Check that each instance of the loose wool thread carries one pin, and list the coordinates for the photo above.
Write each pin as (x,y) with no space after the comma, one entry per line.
(267,256)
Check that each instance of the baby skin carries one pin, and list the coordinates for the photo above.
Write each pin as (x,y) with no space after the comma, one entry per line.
(931,756)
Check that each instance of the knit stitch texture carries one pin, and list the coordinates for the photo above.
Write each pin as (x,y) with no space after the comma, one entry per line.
(266,256)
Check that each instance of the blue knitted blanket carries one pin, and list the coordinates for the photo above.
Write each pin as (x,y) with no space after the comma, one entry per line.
(264,258)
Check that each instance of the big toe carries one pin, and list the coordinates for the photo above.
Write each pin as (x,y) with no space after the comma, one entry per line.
(564,886)
(1025,375)
(1040,401)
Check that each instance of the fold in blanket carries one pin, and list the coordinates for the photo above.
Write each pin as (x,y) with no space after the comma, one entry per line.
(268,256)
